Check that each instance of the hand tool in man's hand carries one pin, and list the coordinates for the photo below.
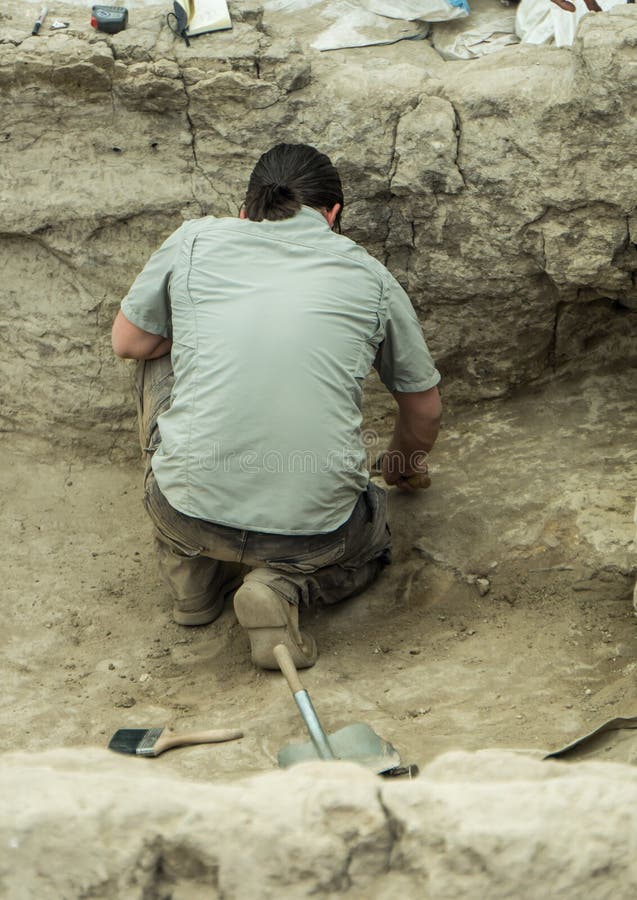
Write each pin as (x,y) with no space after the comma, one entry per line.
(358,742)
(149,741)
(418,480)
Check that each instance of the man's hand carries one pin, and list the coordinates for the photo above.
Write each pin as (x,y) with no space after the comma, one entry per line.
(592,5)
(388,467)
(131,342)
(410,481)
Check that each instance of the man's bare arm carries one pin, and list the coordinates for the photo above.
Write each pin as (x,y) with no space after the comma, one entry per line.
(417,427)
(131,342)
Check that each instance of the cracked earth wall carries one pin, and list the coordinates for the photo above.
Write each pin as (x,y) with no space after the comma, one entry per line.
(490,824)
(500,192)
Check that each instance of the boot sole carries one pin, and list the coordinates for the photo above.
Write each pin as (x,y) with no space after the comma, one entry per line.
(267,618)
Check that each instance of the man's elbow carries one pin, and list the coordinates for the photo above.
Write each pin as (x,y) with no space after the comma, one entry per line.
(128,341)
(120,341)
(120,347)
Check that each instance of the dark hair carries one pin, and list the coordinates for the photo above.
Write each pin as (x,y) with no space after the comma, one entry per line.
(288,177)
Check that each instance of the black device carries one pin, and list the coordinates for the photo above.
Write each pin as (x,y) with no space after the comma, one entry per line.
(110,19)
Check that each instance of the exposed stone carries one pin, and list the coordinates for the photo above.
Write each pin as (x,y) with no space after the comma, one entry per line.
(490,824)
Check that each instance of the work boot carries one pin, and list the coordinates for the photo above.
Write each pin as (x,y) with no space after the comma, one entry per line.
(206,608)
(271,620)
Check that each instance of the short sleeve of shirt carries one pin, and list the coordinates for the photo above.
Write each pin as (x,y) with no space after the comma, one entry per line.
(147,304)
(404,362)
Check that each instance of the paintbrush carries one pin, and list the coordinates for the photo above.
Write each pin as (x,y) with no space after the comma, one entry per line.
(148,741)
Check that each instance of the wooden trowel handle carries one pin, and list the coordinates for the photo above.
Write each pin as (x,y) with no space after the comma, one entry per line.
(315,729)
(195,737)
(286,664)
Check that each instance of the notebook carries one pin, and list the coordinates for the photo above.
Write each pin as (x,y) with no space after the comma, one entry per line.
(201,16)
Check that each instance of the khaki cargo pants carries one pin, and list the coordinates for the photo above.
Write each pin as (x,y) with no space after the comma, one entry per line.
(199,558)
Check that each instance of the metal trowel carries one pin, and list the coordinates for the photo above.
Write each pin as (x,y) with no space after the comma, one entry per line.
(358,742)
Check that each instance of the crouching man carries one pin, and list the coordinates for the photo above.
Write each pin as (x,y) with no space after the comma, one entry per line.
(256,334)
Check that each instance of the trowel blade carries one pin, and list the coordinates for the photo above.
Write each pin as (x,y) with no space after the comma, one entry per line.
(358,743)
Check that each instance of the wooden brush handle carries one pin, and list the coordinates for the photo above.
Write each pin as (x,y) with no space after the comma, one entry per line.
(286,664)
(169,741)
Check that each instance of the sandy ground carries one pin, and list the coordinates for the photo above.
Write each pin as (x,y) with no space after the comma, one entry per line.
(534,494)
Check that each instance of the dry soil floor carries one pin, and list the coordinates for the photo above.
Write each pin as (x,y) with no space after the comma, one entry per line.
(534,495)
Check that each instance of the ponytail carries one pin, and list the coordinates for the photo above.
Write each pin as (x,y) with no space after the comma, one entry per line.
(274,202)
(290,176)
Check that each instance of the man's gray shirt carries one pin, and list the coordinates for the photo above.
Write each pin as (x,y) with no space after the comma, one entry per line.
(274,327)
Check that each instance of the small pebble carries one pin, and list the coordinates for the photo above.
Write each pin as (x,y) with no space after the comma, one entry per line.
(416,713)
(126,703)
(144,677)
(483,585)
(588,692)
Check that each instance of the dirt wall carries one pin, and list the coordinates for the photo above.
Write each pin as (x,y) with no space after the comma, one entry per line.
(499,191)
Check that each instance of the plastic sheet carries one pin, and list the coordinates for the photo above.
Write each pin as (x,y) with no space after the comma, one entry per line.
(489,28)
(289,5)
(354,26)
(425,10)
(404,10)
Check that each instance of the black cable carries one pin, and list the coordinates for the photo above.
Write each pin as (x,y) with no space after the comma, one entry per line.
(180,21)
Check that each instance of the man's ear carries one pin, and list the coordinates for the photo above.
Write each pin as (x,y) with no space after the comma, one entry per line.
(331,214)
(242,213)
